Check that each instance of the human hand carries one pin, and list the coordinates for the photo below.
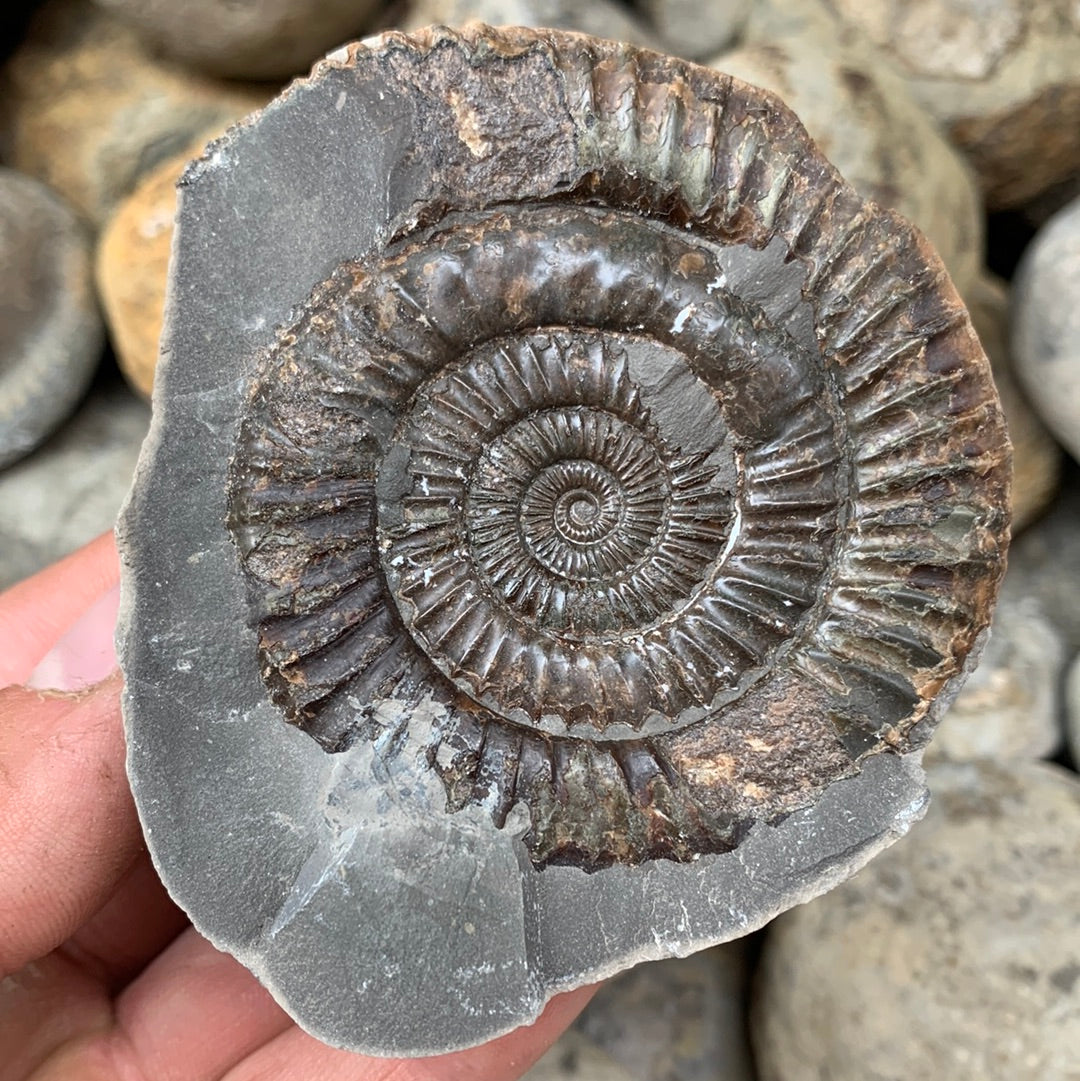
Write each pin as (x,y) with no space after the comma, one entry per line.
(101,976)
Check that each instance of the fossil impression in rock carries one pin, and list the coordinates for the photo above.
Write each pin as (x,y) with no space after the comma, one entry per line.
(568,507)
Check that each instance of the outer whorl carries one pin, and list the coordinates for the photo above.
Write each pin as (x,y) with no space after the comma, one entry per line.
(616,481)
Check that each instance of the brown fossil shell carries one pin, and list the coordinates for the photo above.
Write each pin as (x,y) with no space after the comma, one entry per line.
(678,483)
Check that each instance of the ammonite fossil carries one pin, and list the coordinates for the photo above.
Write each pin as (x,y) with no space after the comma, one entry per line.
(568,510)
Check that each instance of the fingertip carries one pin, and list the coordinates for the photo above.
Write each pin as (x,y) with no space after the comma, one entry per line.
(85,653)
(36,613)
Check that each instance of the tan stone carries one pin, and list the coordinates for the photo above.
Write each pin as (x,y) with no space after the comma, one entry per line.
(132,267)
(256,39)
(91,109)
(697,30)
(867,124)
(602,18)
(1002,75)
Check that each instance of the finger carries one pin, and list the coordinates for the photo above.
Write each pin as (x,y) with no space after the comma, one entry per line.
(295,1054)
(68,829)
(193,1014)
(135,924)
(36,612)
(44,1006)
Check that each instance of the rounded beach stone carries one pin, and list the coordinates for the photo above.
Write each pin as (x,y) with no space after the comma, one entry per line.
(683,1019)
(694,29)
(50,328)
(954,955)
(602,18)
(1010,707)
(70,489)
(91,109)
(1037,458)
(585,495)
(1046,325)
(1002,76)
(132,267)
(1072,709)
(257,39)
(1044,563)
(870,127)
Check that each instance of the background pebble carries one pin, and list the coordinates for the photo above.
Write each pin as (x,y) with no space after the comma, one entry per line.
(71,488)
(677,1020)
(602,18)
(91,109)
(256,39)
(50,328)
(132,265)
(1002,75)
(954,955)
(1072,703)
(1010,706)
(695,30)
(1046,325)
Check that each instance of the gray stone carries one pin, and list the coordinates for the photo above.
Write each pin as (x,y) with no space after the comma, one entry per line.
(1046,325)
(378,919)
(70,490)
(955,955)
(258,39)
(50,328)
(602,18)
(1010,707)
(680,1020)
(869,126)
(1037,458)
(698,30)
(1044,563)
(1072,709)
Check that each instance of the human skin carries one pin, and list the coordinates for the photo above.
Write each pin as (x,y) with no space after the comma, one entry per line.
(101,976)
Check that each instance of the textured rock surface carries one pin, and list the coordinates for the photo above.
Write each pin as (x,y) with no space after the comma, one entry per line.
(70,490)
(603,18)
(697,30)
(875,133)
(1046,325)
(1003,76)
(257,39)
(1011,705)
(1037,458)
(132,265)
(50,328)
(476,780)
(91,109)
(955,955)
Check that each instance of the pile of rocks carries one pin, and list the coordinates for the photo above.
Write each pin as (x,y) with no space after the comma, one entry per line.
(956,954)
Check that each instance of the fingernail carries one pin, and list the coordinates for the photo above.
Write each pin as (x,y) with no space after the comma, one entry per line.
(85,654)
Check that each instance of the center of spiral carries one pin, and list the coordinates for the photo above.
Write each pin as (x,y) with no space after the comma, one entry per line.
(581,508)
(569,509)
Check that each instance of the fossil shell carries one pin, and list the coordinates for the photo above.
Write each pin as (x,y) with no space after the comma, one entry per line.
(677,526)
(624,486)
